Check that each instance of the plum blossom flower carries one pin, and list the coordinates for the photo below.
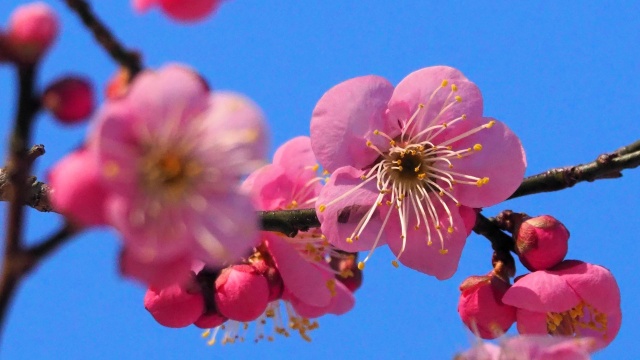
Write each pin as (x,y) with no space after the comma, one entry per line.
(304,284)
(573,298)
(185,11)
(531,347)
(169,158)
(409,164)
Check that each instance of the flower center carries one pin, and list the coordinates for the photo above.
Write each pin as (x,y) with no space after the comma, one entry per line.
(573,321)
(168,174)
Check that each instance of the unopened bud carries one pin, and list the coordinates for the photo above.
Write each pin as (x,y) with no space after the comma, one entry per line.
(31,31)
(241,293)
(541,242)
(70,99)
(174,306)
(481,308)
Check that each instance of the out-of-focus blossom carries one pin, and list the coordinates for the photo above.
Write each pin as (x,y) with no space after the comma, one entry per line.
(31,30)
(171,155)
(70,99)
(241,293)
(408,163)
(481,308)
(541,242)
(531,347)
(181,10)
(573,298)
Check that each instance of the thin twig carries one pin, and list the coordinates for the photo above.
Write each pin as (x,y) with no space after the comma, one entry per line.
(104,37)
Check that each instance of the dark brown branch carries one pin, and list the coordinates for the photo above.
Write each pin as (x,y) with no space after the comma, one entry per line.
(289,222)
(16,172)
(104,37)
(37,253)
(606,166)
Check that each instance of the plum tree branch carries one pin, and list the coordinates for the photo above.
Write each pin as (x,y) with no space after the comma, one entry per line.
(126,58)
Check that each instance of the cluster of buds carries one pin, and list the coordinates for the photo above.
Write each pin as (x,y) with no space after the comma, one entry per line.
(558,297)
(228,300)
(31,31)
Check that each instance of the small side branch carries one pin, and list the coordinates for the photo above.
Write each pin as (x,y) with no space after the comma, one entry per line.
(105,38)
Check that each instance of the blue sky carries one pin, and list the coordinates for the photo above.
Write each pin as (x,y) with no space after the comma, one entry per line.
(562,75)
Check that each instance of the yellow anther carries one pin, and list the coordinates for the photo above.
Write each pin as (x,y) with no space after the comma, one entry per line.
(417,168)
(206,333)
(449,147)
(458,204)
(490,124)
(400,168)
(441,193)
(349,240)
(458,98)
(450,166)
(369,143)
(479,182)
(417,227)
(443,251)
(485,180)
(464,116)
(444,83)
(315,167)
(422,176)
(395,264)
(361,265)
(388,202)
(444,125)
(454,87)
(363,177)
(421,106)
(450,230)
(376,132)
(477,147)
(331,285)
(429,243)
(322,208)
(325,172)
(392,143)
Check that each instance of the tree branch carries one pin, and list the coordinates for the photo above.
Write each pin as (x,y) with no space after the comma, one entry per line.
(104,37)
(606,166)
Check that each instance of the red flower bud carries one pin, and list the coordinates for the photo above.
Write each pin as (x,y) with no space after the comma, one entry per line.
(541,242)
(241,293)
(32,29)
(173,306)
(70,99)
(481,308)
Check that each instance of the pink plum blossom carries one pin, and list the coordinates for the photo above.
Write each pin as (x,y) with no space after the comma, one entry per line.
(481,308)
(409,163)
(31,30)
(531,347)
(181,10)
(241,293)
(573,298)
(170,155)
(541,242)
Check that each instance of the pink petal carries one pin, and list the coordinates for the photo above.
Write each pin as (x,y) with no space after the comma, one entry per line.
(301,278)
(269,188)
(343,301)
(340,218)
(501,159)
(158,274)
(531,322)
(189,11)
(345,118)
(590,282)
(225,231)
(165,100)
(297,158)
(542,292)
(422,257)
(468,216)
(418,87)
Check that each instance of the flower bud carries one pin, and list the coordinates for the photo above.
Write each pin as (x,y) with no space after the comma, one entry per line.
(77,188)
(70,99)
(541,242)
(209,321)
(174,306)
(241,293)
(271,273)
(32,29)
(481,308)
(186,11)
